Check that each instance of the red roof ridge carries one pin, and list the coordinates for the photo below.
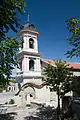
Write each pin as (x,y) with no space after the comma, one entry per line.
(71,64)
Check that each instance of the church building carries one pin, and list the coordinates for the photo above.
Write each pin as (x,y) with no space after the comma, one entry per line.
(29,84)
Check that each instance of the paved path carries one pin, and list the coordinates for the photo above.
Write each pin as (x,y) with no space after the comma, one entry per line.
(6,96)
(18,113)
(23,112)
(28,113)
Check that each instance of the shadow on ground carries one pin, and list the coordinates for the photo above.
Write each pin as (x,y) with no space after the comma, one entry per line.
(43,113)
(8,116)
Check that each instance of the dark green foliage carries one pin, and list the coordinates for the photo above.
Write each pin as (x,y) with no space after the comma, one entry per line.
(13,81)
(59,77)
(1,89)
(11,101)
(8,49)
(43,113)
(8,15)
(73,26)
(8,116)
(8,45)
(76,85)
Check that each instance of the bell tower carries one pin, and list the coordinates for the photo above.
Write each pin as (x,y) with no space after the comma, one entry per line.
(28,56)
(29,37)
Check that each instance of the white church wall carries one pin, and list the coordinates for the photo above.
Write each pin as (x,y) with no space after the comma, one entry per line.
(53,96)
(76,73)
(43,94)
(18,101)
(31,73)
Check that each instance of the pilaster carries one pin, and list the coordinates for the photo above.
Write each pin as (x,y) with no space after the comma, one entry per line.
(24,43)
(38,66)
(25,64)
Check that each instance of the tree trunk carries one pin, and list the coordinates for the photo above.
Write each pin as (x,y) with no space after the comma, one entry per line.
(58,108)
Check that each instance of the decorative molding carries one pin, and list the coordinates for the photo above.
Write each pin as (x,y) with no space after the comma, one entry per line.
(28,76)
(31,84)
(28,35)
(27,30)
(29,53)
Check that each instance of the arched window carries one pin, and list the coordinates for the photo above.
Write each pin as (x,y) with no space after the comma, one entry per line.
(31,43)
(31,65)
(21,42)
(20,65)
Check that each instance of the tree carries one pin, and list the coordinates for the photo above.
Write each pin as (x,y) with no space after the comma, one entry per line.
(59,78)
(76,85)
(73,26)
(8,51)
(8,15)
(8,45)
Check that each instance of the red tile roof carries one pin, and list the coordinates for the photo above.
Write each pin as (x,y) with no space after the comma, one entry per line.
(74,65)
(71,65)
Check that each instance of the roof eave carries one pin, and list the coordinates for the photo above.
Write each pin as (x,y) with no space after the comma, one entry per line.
(27,31)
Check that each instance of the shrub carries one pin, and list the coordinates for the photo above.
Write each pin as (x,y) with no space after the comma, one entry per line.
(11,101)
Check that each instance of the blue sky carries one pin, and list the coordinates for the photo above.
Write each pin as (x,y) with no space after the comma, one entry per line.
(49,17)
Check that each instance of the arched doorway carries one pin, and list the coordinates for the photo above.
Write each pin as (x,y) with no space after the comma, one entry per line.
(29,94)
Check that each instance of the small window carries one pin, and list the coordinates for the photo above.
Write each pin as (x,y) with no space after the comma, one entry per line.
(20,64)
(22,45)
(21,42)
(31,65)
(31,43)
(31,95)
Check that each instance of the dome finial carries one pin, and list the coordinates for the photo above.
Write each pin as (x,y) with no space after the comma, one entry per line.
(28,18)
(28,13)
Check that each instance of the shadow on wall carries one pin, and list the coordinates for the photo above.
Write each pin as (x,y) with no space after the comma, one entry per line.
(8,116)
(44,113)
